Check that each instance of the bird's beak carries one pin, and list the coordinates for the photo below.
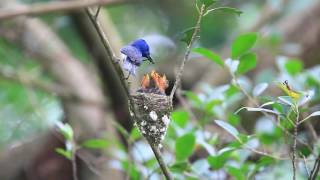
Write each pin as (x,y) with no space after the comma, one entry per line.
(150,59)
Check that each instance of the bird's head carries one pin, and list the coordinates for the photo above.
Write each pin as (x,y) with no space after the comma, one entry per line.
(143,46)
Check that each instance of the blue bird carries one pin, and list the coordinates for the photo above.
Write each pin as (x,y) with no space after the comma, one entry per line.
(136,52)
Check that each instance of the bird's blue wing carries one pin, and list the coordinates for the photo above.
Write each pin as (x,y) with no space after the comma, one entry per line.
(133,54)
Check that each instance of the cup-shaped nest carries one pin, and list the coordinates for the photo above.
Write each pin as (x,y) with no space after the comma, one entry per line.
(153,115)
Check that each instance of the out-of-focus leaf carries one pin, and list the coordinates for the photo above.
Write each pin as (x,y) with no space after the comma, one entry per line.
(316,113)
(95,144)
(228,127)
(135,134)
(233,119)
(232,90)
(66,130)
(187,35)
(236,173)
(180,118)
(259,89)
(243,44)
(219,160)
(207,3)
(194,98)
(185,146)
(210,55)
(293,66)
(212,104)
(179,167)
(64,153)
(225,9)
(232,65)
(247,62)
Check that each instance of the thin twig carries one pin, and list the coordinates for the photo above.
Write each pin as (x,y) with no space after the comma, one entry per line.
(315,169)
(56,6)
(186,56)
(97,12)
(305,164)
(161,163)
(294,146)
(74,162)
(117,67)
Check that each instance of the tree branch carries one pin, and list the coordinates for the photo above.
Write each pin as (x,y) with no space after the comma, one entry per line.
(186,56)
(116,66)
(56,6)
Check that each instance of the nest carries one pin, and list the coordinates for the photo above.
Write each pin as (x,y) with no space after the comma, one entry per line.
(153,115)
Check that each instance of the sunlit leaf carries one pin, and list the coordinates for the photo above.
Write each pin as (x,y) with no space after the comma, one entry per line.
(210,55)
(228,127)
(243,44)
(95,144)
(247,62)
(185,146)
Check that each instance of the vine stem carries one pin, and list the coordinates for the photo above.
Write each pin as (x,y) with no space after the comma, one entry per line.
(186,55)
(117,67)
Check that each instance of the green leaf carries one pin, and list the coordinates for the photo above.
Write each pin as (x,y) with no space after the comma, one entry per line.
(194,98)
(293,66)
(207,3)
(210,55)
(179,167)
(180,118)
(236,173)
(135,134)
(225,9)
(219,160)
(243,44)
(95,144)
(228,127)
(65,130)
(185,146)
(187,35)
(64,153)
(247,63)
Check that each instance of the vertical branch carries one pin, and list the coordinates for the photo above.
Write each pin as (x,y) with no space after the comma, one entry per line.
(186,56)
(117,67)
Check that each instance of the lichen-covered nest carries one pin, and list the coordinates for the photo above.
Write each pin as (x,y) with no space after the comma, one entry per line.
(153,115)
